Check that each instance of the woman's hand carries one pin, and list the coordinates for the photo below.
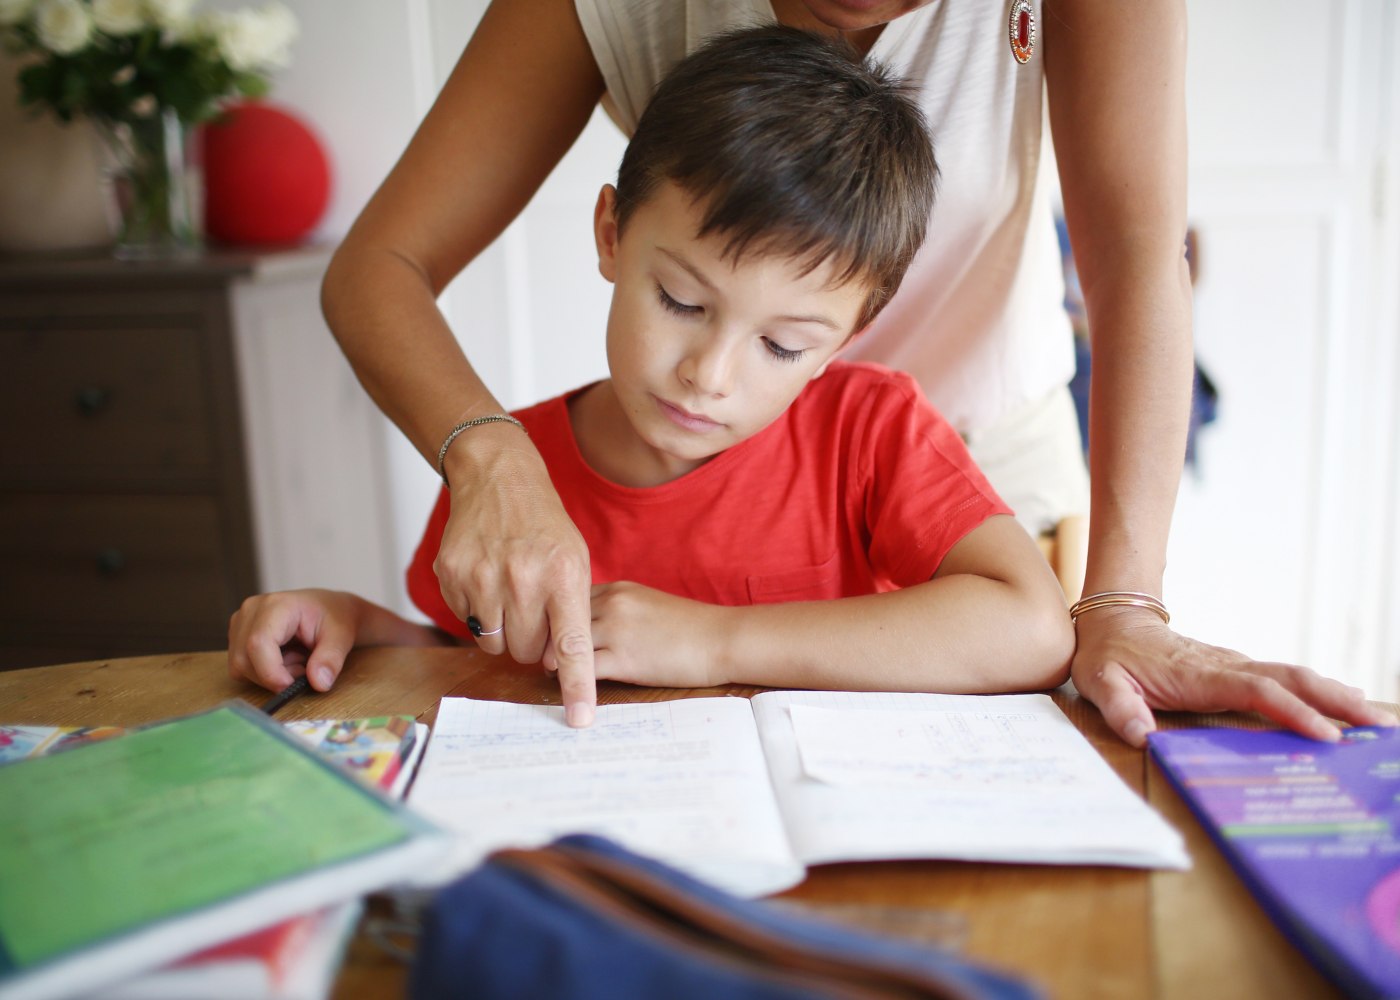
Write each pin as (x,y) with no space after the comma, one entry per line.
(514,104)
(645,636)
(512,559)
(270,634)
(1128,663)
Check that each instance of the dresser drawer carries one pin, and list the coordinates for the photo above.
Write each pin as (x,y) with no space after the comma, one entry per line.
(100,565)
(101,405)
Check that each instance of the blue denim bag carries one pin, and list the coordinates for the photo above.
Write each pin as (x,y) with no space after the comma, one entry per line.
(584,918)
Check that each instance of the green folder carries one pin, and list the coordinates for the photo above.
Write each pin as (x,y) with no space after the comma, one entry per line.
(120,855)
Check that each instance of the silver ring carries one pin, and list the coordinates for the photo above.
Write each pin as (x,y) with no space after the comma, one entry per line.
(474,627)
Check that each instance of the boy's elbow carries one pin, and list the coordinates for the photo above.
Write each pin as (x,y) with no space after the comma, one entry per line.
(1044,643)
(1052,642)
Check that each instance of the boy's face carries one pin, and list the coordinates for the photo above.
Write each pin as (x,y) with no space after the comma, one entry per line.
(704,352)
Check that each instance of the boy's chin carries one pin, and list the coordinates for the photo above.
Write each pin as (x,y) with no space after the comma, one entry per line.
(683,457)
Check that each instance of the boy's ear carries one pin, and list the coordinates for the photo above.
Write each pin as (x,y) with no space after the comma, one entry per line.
(605,233)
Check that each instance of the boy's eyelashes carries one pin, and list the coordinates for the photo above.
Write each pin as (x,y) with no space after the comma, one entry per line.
(780,352)
(671,305)
(682,309)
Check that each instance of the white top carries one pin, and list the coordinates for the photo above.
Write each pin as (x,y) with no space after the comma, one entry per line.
(979,320)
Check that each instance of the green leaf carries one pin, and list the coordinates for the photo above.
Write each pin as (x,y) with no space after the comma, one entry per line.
(252,85)
(37,84)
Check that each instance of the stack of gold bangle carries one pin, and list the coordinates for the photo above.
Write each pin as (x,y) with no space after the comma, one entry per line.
(1115,598)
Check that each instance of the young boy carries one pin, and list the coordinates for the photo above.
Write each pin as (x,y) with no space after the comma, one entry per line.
(755,511)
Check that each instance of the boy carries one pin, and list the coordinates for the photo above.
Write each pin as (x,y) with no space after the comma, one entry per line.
(755,511)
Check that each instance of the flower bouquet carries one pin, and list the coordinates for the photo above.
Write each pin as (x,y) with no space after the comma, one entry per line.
(144,73)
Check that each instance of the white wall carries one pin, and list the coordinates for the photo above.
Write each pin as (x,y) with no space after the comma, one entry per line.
(1279,544)
(1285,543)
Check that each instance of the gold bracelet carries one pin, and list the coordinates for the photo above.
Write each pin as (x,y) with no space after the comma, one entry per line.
(1119,598)
(492,418)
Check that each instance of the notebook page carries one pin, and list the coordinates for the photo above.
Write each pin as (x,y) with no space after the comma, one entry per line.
(863,776)
(683,781)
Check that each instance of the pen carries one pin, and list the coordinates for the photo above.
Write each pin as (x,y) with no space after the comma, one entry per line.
(298,686)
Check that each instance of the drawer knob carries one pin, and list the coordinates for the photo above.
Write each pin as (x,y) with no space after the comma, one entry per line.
(110,562)
(93,400)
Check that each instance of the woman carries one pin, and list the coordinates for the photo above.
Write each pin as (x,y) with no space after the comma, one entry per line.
(976,320)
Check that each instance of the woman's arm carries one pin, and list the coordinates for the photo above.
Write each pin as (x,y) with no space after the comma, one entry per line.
(1116,90)
(516,101)
(991,619)
(1118,116)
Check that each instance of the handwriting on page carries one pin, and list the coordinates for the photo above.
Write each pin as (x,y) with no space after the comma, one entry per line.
(540,738)
(682,779)
(955,750)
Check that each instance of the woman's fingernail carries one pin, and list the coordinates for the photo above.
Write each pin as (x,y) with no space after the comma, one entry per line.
(579,715)
(1135,732)
(324,679)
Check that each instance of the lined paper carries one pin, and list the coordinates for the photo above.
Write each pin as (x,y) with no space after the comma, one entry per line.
(863,775)
(681,780)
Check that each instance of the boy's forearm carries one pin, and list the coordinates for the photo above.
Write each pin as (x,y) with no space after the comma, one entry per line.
(378,626)
(962,633)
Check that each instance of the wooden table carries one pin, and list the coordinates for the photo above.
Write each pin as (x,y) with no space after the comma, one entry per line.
(1079,932)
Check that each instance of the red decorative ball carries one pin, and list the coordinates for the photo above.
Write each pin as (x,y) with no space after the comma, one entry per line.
(266,177)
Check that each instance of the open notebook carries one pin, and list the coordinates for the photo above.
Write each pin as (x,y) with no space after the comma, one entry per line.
(746,793)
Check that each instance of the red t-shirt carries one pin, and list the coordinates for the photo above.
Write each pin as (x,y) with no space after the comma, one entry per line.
(858,487)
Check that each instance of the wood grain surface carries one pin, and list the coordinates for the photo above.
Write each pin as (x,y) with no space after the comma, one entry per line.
(1079,932)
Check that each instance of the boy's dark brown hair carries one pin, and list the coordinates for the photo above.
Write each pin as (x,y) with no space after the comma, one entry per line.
(794,145)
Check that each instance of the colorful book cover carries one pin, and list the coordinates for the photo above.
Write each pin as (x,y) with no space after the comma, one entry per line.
(371,749)
(292,959)
(1313,829)
(125,854)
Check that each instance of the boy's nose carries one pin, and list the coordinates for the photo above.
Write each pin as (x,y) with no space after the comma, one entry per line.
(708,369)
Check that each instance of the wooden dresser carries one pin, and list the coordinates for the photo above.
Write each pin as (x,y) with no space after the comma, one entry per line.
(145,478)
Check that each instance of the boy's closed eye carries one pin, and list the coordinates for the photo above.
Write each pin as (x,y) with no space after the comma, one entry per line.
(671,304)
(782,353)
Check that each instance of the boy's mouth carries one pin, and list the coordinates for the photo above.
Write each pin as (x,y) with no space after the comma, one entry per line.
(683,418)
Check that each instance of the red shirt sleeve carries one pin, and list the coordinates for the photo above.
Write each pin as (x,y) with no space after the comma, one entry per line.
(923,492)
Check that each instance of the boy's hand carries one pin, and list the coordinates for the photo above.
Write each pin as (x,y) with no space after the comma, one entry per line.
(1128,663)
(273,633)
(645,636)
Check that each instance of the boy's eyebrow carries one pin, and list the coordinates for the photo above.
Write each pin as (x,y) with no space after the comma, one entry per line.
(695,273)
(689,267)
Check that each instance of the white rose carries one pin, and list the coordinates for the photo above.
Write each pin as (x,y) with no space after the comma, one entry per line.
(119,17)
(251,39)
(240,38)
(169,14)
(63,26)
(193,28)
(282,29)
(14,11)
